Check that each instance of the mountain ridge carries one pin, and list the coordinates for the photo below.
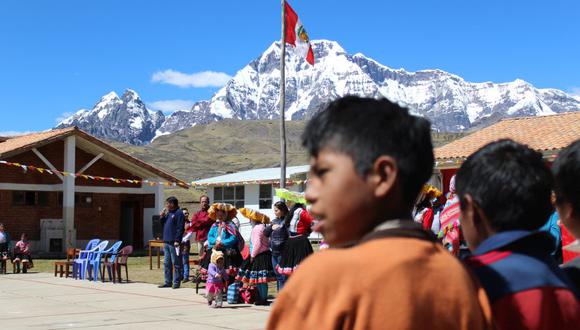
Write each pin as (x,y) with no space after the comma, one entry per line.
(449,101)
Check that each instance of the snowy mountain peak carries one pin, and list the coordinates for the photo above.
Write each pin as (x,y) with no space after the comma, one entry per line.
(451,103)
(130,94)
(124,119)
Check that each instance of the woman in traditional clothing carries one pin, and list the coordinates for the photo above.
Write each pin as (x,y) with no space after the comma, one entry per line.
(298,247)
(223,236)
(257,268)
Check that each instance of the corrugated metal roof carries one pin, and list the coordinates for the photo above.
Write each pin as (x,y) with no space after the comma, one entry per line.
(261,174)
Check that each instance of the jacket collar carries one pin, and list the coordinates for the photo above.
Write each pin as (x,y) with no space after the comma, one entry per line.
(505,238)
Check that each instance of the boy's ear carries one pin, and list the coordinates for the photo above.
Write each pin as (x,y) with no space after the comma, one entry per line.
(384,175)
(468,212)
(566,211)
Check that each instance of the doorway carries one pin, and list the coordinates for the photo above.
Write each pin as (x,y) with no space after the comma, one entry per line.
(132,224)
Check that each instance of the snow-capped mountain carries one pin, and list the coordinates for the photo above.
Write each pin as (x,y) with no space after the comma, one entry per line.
(450,102)
(124,119)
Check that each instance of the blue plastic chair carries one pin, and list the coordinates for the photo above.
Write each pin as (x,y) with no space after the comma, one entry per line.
(94,265)
(82,264)
(83,254)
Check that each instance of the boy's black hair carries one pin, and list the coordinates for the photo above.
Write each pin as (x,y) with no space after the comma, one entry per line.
(566,170)
(173,200)
(365,129)
(511,184)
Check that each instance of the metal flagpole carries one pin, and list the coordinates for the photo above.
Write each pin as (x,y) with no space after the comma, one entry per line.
(283,99)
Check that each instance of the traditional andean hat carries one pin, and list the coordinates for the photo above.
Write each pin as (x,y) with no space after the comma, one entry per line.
(254,215)
(226,207)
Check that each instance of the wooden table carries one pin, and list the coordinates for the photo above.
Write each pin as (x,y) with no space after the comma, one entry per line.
(155,244)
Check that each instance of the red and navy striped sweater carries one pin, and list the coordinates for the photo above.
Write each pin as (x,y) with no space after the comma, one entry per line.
(526,288)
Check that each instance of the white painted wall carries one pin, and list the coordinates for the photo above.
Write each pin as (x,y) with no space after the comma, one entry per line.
(252,196)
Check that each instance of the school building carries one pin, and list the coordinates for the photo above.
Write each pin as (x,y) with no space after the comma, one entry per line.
(254,189)
(89,201)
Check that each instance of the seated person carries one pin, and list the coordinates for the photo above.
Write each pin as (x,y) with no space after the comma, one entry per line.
(22,253)
(504,191)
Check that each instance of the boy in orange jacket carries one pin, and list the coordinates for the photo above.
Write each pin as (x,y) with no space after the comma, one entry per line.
(369,160)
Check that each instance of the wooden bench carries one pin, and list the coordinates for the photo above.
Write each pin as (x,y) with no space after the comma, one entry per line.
(61,267)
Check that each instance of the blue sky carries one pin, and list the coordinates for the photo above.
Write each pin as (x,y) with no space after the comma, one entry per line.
(59,56)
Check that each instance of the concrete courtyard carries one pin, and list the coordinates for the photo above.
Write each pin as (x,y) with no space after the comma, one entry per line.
(42,301)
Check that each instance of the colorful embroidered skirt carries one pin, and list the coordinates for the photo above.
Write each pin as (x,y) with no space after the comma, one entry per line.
(258,271)
(296,250)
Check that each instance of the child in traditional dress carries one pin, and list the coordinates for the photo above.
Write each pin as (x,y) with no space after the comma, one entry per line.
(216,279)
(223,236)
(298,247)
(277,231)
(257,270)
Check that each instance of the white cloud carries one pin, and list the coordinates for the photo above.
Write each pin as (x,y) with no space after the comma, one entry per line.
(574,90)
(13,133)
(169,106)
(197,79)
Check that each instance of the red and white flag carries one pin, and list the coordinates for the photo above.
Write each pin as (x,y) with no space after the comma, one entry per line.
(296,34)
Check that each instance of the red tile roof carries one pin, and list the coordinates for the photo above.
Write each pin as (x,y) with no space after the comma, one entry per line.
(545,134)
(18,144)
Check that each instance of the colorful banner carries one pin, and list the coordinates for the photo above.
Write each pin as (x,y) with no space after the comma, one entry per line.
(34,169)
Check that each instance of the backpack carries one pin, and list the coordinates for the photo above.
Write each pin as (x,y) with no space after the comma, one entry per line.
(248,294)
(234,293)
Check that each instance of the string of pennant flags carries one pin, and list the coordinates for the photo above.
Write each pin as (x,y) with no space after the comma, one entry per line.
(289,182)
(35,169)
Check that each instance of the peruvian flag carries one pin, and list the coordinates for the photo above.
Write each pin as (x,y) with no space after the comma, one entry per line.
(296,34)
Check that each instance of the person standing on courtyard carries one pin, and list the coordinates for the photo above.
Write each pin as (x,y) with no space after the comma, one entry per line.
(172,220)
(186,245)
(201,224)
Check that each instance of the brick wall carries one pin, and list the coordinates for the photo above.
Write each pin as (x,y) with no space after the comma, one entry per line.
(101,219)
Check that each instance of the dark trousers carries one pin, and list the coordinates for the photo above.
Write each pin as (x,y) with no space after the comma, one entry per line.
(280,279)
(171,262)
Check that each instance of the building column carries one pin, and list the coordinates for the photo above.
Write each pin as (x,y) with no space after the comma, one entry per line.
(159,198)
(68,193)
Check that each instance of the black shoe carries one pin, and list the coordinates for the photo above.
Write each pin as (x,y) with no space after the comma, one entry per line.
(176,286)
(185,280)
(165,286)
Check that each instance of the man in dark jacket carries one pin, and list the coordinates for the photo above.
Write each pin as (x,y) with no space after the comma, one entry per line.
(173,221)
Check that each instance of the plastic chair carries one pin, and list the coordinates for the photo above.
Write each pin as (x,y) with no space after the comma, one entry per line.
(114,266)
(94,265)
(83,254)
(81,263)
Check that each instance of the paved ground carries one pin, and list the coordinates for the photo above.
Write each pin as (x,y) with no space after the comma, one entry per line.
(41,301)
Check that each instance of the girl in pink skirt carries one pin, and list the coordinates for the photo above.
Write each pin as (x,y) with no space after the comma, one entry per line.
(216,279)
